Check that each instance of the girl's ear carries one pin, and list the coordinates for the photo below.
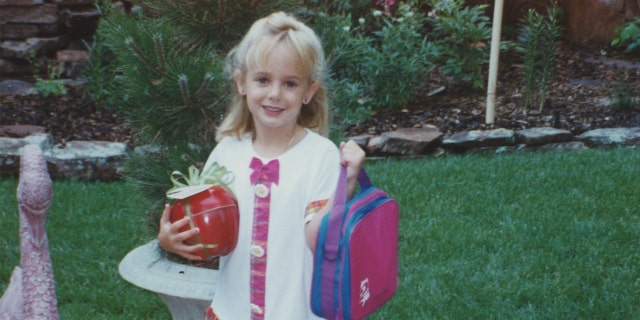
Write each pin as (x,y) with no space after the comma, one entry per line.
(313,88)
(239,79)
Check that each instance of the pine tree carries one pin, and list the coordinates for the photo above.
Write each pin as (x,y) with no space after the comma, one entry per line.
(173,89)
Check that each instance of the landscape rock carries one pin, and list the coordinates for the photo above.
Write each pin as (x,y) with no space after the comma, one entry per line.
(81,160)
(32,46)
(15,67)
(477,139)
(21,131)
(561,146)
(11,149)
(11,87)
(88,160)
(543,135)
(82,23)
(611,137)
(23,14)
(72,55)
(19,31)
(13,146)
(411,141)
(361,140)
(20,2)
(375,144)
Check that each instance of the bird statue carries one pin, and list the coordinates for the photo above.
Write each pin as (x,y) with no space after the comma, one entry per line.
(31,294)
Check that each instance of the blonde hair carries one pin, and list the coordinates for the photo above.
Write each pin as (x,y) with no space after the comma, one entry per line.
(265,35)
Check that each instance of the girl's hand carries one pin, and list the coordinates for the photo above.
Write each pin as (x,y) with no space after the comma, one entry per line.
(171,240)
(351,156)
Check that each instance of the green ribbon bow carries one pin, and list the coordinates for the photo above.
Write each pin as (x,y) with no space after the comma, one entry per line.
(215,174)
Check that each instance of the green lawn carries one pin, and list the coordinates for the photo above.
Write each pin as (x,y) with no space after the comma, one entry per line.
(521,236)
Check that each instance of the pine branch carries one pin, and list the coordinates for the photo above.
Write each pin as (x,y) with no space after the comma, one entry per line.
(203,88)
(184,88)
(157,40)
(138,53)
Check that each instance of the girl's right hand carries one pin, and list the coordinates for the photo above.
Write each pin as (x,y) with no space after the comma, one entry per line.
(171,240)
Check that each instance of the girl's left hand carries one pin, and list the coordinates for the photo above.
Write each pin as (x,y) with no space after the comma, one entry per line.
(351,156)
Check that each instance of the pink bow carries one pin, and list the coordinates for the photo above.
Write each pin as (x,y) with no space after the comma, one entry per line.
(265,173)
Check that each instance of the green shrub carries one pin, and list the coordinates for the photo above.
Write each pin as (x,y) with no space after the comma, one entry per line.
(101,71)
(214,23)
(346,89)
(628,35)
(626,96)
(52,85)
(461,34)
(400,59)
(171,93)
(538,39)
(376,64)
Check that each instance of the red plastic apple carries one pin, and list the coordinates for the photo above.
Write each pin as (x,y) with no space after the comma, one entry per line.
(215,212)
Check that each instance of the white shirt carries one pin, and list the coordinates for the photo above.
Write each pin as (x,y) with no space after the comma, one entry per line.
(308,172)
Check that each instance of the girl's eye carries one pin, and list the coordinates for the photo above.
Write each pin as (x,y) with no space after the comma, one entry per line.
(291,84)
(262,80)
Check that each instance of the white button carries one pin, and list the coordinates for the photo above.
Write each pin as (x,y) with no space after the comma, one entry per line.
(256,309)
(257,251)
(261,190)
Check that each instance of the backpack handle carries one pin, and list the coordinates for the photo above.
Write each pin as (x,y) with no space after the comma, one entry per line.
(338,214)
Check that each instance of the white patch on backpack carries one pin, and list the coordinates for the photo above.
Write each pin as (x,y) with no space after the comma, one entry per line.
(364,291)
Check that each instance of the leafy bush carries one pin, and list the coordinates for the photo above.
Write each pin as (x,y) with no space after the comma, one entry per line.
(346,88)
(628,35)
(400,58)
(101,71)
(100,74)
(461,35)
(626,96)
(376,64)
(51,85)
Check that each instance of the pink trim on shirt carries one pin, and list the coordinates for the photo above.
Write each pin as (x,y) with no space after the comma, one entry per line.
(263,177)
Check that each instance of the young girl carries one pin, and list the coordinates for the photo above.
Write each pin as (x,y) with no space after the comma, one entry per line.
(286,172)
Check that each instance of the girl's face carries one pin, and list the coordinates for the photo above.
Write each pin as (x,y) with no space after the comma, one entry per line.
(276,91)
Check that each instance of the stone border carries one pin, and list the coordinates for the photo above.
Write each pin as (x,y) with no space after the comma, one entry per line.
(430,141)
(104,161)
(83,160)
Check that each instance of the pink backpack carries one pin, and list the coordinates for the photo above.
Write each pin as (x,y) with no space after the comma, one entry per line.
(356,260)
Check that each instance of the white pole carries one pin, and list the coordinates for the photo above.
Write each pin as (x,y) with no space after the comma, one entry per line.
(493,63)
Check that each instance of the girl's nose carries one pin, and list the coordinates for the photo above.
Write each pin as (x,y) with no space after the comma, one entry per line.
(274,92)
